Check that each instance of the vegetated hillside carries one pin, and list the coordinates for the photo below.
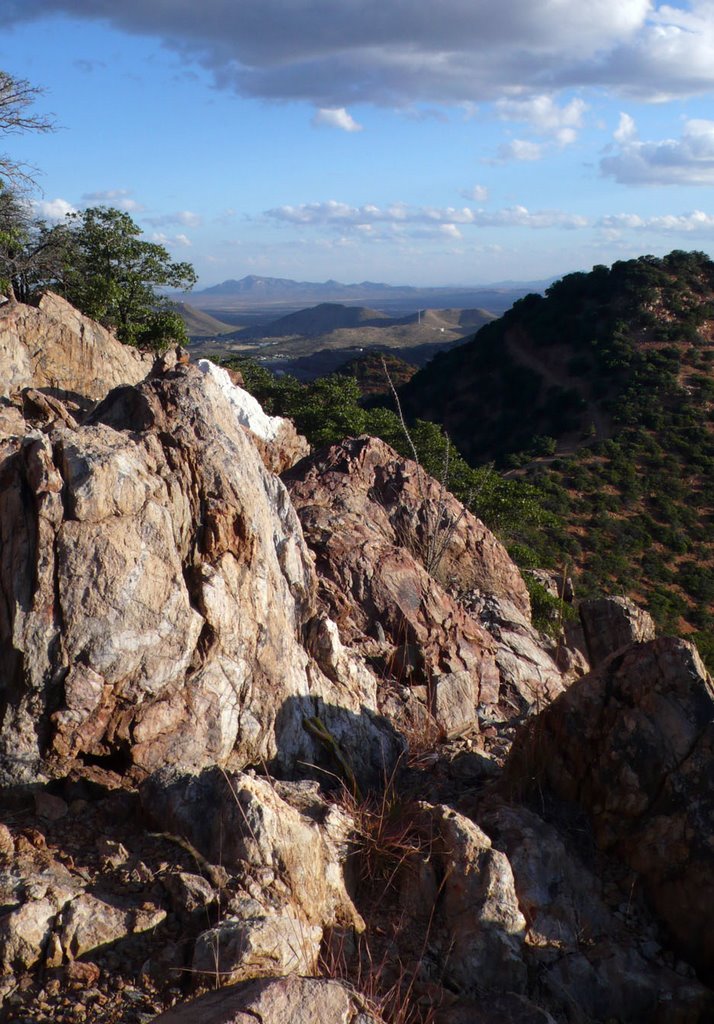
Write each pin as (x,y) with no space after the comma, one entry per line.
(603,393)
(317,320)
(368,371)
(200,324)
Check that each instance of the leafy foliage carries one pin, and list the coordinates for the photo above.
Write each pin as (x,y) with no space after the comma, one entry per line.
(111,273)
(31,253)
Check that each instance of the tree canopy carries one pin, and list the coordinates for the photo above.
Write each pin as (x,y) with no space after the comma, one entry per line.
(112,274)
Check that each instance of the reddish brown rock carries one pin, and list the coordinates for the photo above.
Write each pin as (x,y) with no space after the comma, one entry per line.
(157,592)
(376,524)
(611,623)
(633,743)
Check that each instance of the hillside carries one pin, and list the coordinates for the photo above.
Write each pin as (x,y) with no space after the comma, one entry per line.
(602,392)
(200,324)
(315,341)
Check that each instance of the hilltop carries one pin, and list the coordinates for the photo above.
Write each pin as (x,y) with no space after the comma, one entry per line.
(602,392)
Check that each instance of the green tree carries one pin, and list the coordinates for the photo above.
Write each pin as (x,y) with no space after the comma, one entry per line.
(32,254)
(112,274)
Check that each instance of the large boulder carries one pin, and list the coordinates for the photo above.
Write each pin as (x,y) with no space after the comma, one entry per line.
(157,594)
(633,743)
(57,348)
(290,1000)
(611,623)
(396,555)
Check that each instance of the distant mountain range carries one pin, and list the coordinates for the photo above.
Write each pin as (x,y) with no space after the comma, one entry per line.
(261,292)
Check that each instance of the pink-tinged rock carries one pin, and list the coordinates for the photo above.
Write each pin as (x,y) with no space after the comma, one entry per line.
(158,593)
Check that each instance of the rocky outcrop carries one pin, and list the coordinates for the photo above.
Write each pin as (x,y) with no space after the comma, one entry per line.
(156,593)
(57,348)
(611,623)
(275,1001)
(633,744)
(203,715)
(275,437)
(395,557)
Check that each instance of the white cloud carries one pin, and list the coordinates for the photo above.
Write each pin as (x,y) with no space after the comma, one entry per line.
(183,217)
(626,129)
(443,219)
(544,117)
(688,160)
(120,198)
(401,53)
(336,117)
(520,149)
(180,240)
(695,221)
(479,193)
(53,209)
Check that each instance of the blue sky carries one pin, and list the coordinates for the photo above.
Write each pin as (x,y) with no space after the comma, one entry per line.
(454,142)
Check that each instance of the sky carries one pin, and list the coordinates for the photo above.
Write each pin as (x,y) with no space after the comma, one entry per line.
(449,142)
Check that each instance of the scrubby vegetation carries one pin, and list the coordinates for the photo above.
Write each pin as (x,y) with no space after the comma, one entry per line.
(601,395)
(331,408)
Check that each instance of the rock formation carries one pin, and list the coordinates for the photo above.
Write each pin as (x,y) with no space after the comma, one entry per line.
(253,734)
(55,347)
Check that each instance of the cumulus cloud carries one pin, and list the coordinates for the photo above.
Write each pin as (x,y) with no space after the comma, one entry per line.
(626,129)
(336,117)
(181,240)
(688,160)
(364,217)
(520,149)
(544,117)
(696,221)
(479,193)
(120,198)
(53,209)
(398,53)
(187,218)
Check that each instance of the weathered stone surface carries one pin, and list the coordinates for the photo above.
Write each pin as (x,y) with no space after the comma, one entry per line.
(369,517)
(156,592)
(530,678)
(290,1000)
(257,944)
(275,437)
(24,933)
(243,821)
(611,623)
(586,956)
(633,743)
(89,922)
(483,924)
(58,348)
